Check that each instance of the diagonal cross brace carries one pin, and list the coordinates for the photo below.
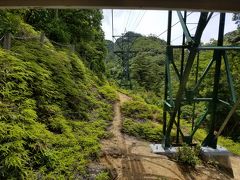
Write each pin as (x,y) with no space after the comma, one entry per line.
(185,28)
(193,51)
(234,108)
(229,78)
(203,75)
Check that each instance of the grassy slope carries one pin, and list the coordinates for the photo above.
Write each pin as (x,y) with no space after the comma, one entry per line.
(53,112)
(143,120)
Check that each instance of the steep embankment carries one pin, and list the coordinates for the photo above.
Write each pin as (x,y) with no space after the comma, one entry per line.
(53,112)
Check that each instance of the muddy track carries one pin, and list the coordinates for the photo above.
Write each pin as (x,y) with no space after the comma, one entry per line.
(131,159)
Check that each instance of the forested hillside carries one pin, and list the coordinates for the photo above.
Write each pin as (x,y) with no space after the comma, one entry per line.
(146,65)
(54,109)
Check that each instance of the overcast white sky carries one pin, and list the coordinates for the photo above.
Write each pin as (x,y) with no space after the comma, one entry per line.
(148,22)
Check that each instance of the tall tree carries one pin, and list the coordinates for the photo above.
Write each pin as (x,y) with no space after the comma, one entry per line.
(81,27)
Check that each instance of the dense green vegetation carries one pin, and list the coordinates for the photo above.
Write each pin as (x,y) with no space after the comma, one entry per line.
(142,120)
(147,130)
(54,110)
(75,27)
(141,111)
(52,107)
(146,66)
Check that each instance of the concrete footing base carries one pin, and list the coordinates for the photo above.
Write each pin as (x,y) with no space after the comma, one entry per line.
(219,151)
(220,155)
(159,149)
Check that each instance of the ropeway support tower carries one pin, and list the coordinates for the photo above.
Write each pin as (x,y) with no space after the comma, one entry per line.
(190,49)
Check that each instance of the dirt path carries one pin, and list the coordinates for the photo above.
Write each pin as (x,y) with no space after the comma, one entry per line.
(235,162)
(132,160)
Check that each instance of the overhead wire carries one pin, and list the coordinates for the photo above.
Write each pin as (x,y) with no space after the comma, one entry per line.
(131,18)
(140,20)
(191,29)
(182,35)
(128,19)
(135,19)
(173,25)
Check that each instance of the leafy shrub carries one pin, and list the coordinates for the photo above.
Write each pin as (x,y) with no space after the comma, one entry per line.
(146,130)
(9,23)
(151,98)
(102,176)
(108,93)
(142,120)
(141,111)
(188,155)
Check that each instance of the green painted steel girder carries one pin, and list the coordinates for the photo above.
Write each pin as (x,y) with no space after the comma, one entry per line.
(203,75)
(193,51)
(198,123)
(229,79)
(189,95)
(219,48)
(217,56)
(166,75)
(234,108)
(185,28)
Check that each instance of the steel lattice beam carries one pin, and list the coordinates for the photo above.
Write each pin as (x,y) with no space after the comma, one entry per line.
(217,57)
(193,51)
(173,103)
